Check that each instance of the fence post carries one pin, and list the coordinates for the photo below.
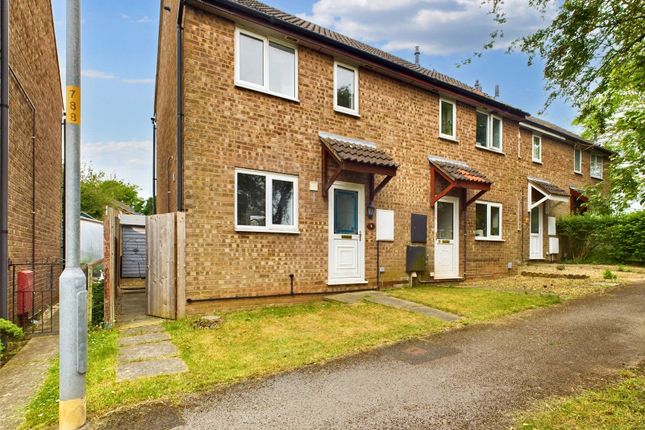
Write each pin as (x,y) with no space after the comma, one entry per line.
(90,292)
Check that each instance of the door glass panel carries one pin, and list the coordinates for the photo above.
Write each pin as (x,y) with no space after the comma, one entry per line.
(282,202)
(345,212)
(535,220)
(445,221)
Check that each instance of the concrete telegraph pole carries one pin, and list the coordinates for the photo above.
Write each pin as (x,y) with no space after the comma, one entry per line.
(73,295)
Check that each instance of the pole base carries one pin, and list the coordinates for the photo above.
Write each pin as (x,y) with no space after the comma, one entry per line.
(71,414)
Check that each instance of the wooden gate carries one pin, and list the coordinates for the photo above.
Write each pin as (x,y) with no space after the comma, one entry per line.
(165,281)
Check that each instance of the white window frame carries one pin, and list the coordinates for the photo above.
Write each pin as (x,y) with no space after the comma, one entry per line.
(489,237)
(539,159)
(454,119)
(489,132)
(265,50)
(343,109)
(269,227)
(599,163)
(577,168)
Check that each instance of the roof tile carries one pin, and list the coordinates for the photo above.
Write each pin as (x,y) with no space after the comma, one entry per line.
(348,149)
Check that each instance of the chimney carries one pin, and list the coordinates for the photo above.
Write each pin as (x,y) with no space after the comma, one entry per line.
(417,56)
(478,86)
(496,91)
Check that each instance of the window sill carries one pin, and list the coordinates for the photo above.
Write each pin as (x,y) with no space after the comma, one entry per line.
(448,138)
(537,162)
(485,148)
(577,173)
(265,230)
(598,178)
(252,87)
(346,111)
(341,282)
(488,239)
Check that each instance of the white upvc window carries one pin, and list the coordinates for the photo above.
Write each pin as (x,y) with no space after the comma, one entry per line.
(577,160)
(488,221)
(489,131)
(596,166)
(345,89)
(447,119)
(266,202)
(266,65)
(537,148)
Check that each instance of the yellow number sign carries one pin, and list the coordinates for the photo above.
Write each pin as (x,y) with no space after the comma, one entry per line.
(73,104)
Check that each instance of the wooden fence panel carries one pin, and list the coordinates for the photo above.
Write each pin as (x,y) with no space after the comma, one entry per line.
(161,282)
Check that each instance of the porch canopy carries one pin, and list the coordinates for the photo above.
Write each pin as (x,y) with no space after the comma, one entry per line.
(578,199)
(347,154)
(541,190)
(456,174)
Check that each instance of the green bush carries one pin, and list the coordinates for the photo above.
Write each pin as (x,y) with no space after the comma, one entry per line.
(603,238)
(97,303)
(609,275)
(7,328)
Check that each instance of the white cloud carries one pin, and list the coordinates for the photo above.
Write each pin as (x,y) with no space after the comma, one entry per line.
(97,74)
(144,19)
(439,27)
(143,81)
(130,161)
(125,17)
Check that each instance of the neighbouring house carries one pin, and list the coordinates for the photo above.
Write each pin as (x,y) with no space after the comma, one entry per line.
(289,147)
(35,158)
(91,238)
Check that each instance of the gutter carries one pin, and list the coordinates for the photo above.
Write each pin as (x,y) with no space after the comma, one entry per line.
(180,108)
(224,6)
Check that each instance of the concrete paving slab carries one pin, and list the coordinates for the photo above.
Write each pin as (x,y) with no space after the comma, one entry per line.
(149,368)
(22,376)
(383,299)
(147,351)
(143,338)
(393,302)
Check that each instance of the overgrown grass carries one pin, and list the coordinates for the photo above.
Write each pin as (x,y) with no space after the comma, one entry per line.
(269,340)
(620,406)
(475,304)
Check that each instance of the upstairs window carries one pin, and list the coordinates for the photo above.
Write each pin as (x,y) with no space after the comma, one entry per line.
(596,166)
(489,131)
(447,119)
(537,149)
(266,65)
(266,202)
(345,89)
(577,160)
(488,221)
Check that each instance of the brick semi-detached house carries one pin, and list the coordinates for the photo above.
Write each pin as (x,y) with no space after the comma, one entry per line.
(35,159)
(297,144)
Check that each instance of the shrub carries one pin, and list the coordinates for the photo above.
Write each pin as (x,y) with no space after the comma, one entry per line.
(97,303)
(560,267)
(7,328)
(609,275)
(603,238)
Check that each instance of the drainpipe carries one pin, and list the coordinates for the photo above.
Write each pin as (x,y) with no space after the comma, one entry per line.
(32,107)
(180,109)
(154,164)
(4,155)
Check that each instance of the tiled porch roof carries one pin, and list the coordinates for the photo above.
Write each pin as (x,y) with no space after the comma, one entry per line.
(458,171)
(359,151)
(548,187)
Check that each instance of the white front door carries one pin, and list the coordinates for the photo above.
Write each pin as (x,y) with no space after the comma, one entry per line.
(535,245)
(446,248)
(346,234)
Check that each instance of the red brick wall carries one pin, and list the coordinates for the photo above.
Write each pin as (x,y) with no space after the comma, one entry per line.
(33,60)
(228,127)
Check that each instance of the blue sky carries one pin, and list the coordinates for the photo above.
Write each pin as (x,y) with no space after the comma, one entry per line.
(119,44)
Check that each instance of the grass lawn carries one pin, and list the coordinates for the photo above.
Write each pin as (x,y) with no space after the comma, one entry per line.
(621,406)
(475,304)
(269,340)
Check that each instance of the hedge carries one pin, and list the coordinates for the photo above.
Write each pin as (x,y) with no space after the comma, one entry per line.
(603,238)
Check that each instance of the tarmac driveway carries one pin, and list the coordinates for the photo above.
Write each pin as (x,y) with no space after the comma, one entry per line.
(466,379)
